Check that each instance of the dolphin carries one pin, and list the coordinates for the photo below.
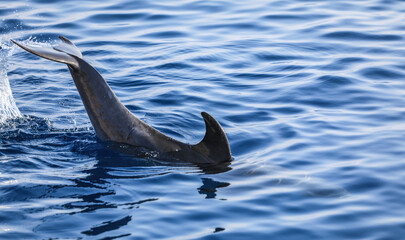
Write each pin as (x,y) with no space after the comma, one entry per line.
(113,122)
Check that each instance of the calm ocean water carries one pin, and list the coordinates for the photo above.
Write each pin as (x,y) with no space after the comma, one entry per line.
(310,93)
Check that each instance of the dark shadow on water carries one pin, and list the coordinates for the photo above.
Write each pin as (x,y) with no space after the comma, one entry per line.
(105,162)
(140,163)
(209,187)
(112,158)
(108,226)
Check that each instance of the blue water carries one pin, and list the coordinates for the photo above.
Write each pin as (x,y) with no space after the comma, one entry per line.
(310,93)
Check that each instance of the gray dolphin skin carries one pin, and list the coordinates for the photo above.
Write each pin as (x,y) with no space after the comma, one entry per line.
(113,122)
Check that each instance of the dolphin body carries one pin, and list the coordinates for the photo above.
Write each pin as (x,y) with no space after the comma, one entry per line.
(113,122)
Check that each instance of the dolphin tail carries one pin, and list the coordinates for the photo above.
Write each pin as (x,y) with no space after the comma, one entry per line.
(215,144)
(65,52)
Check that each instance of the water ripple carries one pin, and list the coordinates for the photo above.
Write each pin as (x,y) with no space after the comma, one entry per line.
(349,35)
(310,94)
(381,74)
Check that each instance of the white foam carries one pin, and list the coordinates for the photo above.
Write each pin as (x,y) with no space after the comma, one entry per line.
(8,107)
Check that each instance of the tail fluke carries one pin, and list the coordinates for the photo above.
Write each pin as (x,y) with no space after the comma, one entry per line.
(65,52)
(68,47)
(215,144)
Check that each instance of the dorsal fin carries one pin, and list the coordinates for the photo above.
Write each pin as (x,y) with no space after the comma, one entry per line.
(215,144)
(62,53)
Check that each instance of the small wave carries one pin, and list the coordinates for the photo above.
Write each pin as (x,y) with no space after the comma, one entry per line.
(275,57)
(296,17)
(166,34)
(23,128)
(114,17)
(173,65)
(350,35)
(158,17)
(234,26)
(12,25)
(26,128)
(334,81)
(378,73)
(256,75)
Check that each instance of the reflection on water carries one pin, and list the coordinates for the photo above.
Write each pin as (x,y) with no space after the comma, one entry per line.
(109,226)
(209,187)
(94,187)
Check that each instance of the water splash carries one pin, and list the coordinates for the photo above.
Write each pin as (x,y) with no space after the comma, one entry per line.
(8,108)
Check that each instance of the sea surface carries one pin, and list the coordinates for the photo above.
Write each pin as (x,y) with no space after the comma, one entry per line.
(311,95)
